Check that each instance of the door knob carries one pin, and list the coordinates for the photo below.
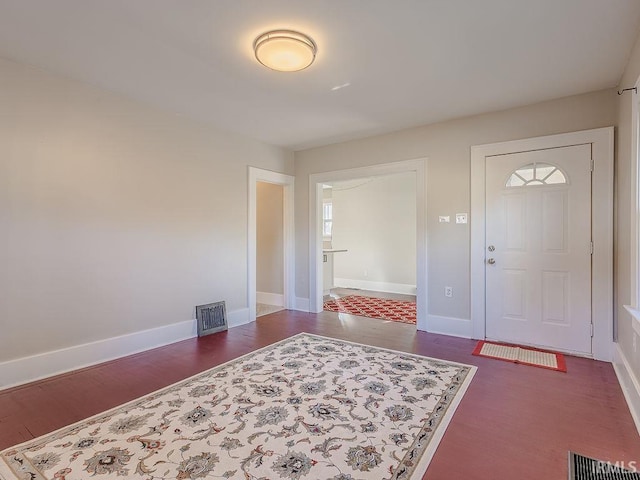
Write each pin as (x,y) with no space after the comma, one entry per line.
(491,261)
(491,248)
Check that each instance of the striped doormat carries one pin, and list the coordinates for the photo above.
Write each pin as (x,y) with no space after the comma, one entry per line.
(523,355)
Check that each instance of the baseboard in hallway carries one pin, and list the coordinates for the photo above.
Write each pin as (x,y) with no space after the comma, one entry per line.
(265,309)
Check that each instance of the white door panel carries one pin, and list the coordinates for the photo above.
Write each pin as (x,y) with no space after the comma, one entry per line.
(538,220)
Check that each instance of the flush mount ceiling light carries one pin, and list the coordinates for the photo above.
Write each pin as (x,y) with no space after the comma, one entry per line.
(285,50)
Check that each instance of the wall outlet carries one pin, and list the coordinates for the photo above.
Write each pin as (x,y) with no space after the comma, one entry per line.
(365,273)
(461,218)
(448,292)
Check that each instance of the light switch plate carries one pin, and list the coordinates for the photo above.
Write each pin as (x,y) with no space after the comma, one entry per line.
(443,219)
(461,218)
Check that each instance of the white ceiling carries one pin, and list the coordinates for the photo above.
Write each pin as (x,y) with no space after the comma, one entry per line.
(408,62)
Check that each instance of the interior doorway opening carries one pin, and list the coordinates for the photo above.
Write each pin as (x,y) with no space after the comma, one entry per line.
(369,247)
(270,203)
(269,248)
(317,227)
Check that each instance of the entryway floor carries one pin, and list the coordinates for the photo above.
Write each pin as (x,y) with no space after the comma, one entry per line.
(371,310)
(344,292)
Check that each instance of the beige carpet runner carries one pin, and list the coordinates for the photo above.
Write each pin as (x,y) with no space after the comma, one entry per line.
(523,355)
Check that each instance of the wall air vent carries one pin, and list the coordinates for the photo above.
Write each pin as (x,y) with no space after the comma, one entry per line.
(212,318)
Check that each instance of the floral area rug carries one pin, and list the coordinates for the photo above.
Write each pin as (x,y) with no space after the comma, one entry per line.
(394,310)
(308,407)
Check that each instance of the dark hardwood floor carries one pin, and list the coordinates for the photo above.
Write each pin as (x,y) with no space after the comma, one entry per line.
(514,422)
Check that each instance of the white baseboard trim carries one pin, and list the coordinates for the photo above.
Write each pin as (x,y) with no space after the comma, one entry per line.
(237,318)
(635,317)
(455,327)
(375,286)
(276,299)
(36,367)
(628,382)
(302,304)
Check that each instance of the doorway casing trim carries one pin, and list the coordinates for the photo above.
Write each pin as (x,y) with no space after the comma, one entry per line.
(287,182)
(601,140)
(315,227)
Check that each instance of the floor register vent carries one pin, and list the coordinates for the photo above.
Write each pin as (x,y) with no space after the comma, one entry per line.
(585,468)
(212,318)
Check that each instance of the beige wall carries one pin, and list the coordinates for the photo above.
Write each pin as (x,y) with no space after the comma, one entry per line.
(623,203)
(375,220)
(269,238)
(114,217)
(446,145)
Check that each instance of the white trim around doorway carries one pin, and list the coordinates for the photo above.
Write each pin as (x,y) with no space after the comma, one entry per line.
(315,227)
(601,140)
(287,181)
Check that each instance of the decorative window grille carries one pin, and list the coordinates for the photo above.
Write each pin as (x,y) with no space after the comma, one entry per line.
(536,174)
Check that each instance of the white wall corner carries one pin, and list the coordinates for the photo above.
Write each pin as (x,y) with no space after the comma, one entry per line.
(302,304)
(36,367)
(238,317)
(628,382)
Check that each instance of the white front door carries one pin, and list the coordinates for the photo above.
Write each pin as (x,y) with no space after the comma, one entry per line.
(538,248)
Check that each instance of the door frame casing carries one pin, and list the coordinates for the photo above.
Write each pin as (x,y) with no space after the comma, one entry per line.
(287,182)
(601,140)
(315,227)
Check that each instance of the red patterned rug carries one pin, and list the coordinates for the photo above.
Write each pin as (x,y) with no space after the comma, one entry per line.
(394,310)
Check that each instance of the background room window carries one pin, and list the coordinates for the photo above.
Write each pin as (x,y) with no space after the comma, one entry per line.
(327,219)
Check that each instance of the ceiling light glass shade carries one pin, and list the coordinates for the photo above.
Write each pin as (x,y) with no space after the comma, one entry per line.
(285,50)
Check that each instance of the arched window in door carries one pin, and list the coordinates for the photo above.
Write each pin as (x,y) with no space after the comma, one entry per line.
(536,174)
